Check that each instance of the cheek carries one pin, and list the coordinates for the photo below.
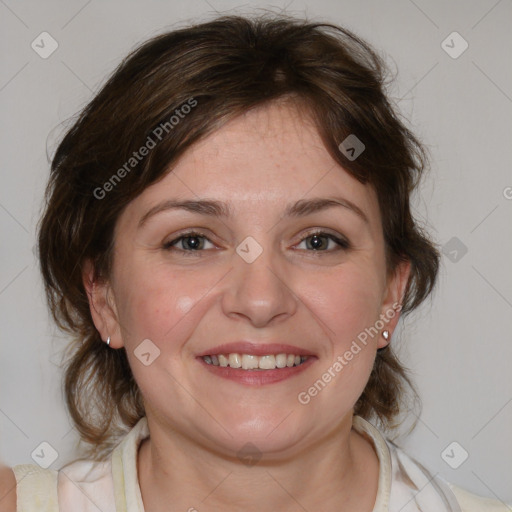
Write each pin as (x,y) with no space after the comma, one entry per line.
(160,304)
(347,301)
(348,304)
(162,307)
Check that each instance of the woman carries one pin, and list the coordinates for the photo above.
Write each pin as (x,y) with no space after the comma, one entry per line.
(228,239)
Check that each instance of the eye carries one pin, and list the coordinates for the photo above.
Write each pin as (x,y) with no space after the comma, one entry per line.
(194,242)
(190,242)
(321,241)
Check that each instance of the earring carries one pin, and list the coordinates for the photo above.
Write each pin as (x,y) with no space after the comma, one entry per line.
(108,341)
(385,334)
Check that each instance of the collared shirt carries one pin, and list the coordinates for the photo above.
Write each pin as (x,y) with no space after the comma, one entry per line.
(112,485)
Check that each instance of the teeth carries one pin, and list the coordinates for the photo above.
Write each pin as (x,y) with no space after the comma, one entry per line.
(235,361)
(268,362)
(281,360)
(252,362)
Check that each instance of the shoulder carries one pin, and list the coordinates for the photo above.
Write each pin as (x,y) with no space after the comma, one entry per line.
(409,476)
(82,482)
(405,483)
(470,502)
(7,490)
(36,488)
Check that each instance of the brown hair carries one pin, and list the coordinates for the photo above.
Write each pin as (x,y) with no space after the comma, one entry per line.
(220,69)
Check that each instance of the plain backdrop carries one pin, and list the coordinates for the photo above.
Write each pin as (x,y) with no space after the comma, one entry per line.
(458,346)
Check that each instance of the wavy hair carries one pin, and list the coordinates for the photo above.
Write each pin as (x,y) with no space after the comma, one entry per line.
(228,65)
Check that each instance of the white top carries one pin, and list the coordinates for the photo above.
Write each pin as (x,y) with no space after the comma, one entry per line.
(113,486)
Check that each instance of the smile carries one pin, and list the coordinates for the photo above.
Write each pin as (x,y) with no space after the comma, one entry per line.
(254,362)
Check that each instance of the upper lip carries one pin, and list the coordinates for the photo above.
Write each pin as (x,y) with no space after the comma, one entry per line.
(257,349)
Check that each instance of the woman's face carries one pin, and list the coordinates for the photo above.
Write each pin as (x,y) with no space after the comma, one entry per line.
(255,281)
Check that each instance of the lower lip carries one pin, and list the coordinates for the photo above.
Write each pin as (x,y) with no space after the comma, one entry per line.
(257,377)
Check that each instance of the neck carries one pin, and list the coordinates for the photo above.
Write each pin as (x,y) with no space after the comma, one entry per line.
(338,473)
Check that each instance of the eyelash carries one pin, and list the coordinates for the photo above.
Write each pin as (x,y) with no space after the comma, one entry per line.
(342,243)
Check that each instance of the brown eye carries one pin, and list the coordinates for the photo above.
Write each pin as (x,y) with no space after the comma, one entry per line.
(187,242)
(320,242)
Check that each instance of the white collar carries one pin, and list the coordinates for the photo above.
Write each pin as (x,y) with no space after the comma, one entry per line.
(404,484)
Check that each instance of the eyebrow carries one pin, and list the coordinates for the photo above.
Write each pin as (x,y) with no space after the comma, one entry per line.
(212,208)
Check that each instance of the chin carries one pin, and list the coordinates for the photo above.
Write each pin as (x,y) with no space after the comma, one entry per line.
(269,431)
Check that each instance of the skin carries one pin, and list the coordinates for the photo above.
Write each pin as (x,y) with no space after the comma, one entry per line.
(7,489)
(186,303)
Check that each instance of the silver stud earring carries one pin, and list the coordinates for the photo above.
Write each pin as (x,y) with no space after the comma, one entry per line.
(385,334)
(108,341)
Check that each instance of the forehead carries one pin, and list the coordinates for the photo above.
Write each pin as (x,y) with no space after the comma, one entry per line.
(274,143)
(259,162)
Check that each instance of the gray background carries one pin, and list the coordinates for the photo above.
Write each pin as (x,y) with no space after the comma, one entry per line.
(458,346)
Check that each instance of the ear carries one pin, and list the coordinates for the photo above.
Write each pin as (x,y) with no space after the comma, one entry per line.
(393,297)
(102,305)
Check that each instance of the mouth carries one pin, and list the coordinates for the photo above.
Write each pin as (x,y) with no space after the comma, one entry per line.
(254,362)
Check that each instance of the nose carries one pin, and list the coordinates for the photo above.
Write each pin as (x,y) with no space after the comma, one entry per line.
(259,292)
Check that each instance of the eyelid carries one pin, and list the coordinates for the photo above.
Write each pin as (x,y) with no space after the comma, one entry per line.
(341,241)
(186,234)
